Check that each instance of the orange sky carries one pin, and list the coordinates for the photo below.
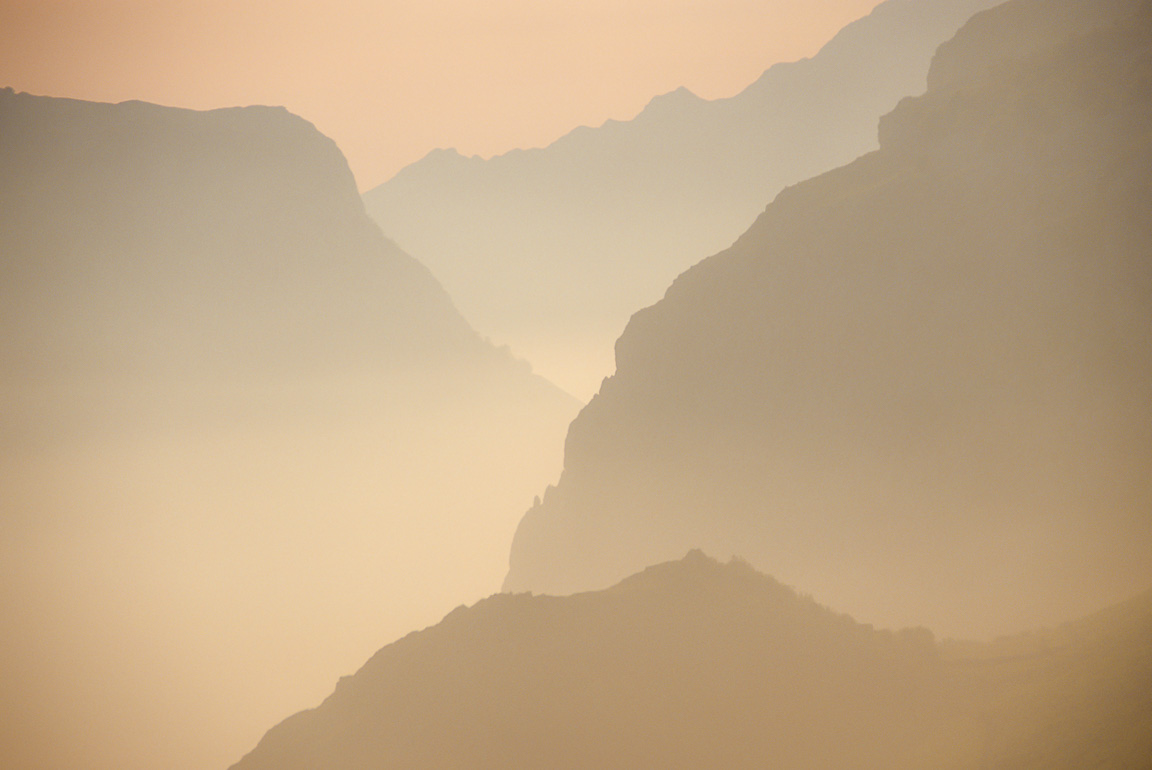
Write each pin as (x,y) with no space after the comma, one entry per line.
(390,80)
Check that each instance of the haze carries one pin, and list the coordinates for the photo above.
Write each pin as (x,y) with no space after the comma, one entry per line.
(281,386)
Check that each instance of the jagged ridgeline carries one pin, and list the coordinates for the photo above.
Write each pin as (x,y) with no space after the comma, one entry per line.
(551,249)
(228,408)
(920,386)
(694,664)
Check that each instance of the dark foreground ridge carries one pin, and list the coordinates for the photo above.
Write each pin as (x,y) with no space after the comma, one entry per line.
(697,664)
(145,247)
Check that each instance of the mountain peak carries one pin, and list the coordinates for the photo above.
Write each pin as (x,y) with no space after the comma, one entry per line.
(670,103)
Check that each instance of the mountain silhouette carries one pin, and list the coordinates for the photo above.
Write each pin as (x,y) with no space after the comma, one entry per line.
(697,664)
(199,228)
(228,411)
(550,250)
(921,384)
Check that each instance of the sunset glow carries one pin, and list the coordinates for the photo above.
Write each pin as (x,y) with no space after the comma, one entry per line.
(391,80)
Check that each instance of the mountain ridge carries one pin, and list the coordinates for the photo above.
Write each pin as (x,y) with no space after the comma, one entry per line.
(696,663)
(545,664)
(551,249)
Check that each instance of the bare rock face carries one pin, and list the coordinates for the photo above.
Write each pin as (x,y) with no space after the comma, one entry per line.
(552,249)
(921,384)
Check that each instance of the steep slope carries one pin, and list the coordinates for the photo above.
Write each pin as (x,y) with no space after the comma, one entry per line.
(696,664)
(550,250)
(921,384)
(227,403)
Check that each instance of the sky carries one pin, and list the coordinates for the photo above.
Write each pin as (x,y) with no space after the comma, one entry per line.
(391,80)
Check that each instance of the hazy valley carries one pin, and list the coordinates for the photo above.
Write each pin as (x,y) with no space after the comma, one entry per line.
(896,408)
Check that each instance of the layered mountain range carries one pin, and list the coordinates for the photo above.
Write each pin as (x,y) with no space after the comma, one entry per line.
(694,664)
(551,250)
(227,407)
(245,436)
(920,386)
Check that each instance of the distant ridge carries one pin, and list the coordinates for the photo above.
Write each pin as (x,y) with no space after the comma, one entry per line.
(147,233)
(550,250)
(696,664)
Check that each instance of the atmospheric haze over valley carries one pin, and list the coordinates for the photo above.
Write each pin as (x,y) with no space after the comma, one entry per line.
(805,427)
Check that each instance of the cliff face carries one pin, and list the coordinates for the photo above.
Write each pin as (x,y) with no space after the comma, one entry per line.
(552,249)
(919,384)
(697,664)
(228,407)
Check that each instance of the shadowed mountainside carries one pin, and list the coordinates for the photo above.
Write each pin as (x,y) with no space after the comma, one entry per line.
(550,250)
(157,239)
(696,664)
(920,385)
(227,409)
